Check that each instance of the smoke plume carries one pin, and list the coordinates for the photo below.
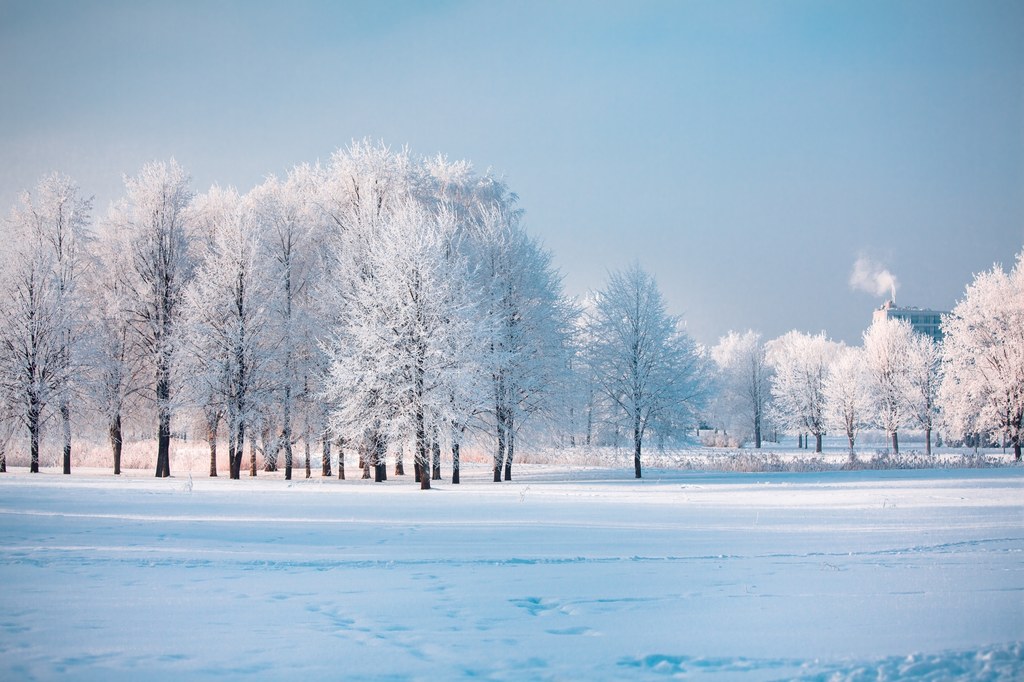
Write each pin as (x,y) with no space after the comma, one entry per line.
(871,277)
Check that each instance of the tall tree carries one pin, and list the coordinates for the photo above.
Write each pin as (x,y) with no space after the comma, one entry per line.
(152,225)
(744,377)
(983,357)
(354,196)
(115,370)
(529,321)
(401,349)
(800,363)
(848,401)
(42,313)
(923,377)
(887,344)
(641,356)
(227,314)
(285,210)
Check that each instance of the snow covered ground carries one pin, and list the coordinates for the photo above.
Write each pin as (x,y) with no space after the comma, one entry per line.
(561,574)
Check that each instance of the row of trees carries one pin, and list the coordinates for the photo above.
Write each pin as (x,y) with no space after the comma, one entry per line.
(377,302)
(971,385)
(384,303)
(809,384)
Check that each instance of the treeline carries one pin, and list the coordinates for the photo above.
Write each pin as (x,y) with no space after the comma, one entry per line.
(386,304)
(378,303)
(970,385)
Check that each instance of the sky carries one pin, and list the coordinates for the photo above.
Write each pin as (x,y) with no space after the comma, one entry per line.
(748,154)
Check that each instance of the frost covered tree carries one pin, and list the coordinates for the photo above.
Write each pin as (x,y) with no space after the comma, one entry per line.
(744,380)
(65,216)
(848,401)
(404,349)
(151,225)
(800,364)
(492,290)
(923,377)
(642,358)
(285,209)
(354,195)
(887,344)
(983,357)
(581,394)
(529,321)
(42,312)
(226,315)
(115,369)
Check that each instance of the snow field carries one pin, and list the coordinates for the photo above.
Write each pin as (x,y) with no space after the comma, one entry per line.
(581,574)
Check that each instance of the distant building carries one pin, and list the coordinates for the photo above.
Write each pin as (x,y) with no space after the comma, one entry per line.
(927,322)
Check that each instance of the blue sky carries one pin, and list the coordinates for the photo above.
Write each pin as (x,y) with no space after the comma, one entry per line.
(745,153)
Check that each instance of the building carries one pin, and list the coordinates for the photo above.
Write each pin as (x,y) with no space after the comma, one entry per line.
(927,322)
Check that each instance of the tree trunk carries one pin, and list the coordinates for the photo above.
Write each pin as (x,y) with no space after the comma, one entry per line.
(510,447)
(590,423)
(817,443)
(380,453)
(326,457)
(33,435)
(928,441)
(1016,448)
(309,472)
(252,458)
(211,438)
(115,442)
(435,472)
(455,463)
(271,450)
(637,438)
(421,449)
(341,460)
(231,459)
(377,458)
(286,426)
(757,431)
(163,398)
(499,457)
(895,443)
(233,452)
(399,466)
(65,427)
(849,437)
